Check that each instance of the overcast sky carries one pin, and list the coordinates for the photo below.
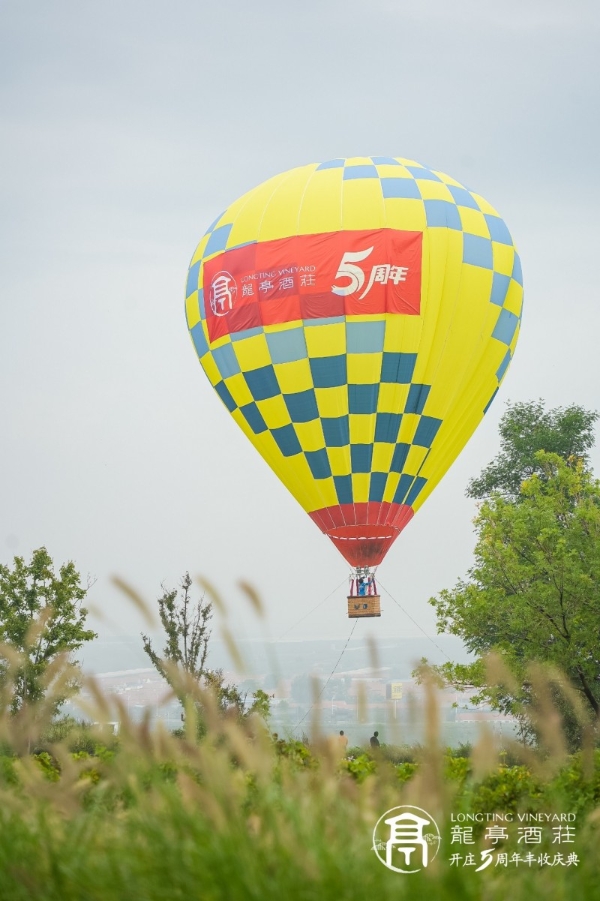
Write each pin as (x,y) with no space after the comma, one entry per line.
(127,128)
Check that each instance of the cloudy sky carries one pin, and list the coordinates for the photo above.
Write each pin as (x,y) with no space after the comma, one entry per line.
(127,127)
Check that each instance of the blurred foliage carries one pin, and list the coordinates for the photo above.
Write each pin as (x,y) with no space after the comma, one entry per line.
(233,812)
(240,813)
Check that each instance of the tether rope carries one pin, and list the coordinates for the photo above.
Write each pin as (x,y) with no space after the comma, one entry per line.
(320,695)
(312,610)
(406,613)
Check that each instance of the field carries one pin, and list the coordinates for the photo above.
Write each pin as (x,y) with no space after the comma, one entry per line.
(239,815)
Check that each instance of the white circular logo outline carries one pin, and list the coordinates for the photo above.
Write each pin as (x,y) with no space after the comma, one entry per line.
(435,838)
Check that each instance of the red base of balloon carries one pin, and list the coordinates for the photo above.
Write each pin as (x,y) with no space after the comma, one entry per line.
(363,533)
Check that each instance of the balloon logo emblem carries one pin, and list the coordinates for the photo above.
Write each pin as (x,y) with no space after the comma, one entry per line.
(223,290)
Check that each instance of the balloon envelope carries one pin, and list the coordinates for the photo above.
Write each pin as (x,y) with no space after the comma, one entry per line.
(356,317)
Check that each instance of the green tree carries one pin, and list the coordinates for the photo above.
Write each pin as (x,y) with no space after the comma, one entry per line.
(533,594)
(186,624)
(41,618)
(525,429)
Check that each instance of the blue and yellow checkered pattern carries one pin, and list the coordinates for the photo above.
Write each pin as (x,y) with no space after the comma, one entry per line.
(357,409)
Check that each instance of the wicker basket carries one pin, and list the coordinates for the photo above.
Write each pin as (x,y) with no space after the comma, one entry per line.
(369,605)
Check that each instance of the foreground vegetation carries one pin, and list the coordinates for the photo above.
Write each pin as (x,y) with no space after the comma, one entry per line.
(239,815)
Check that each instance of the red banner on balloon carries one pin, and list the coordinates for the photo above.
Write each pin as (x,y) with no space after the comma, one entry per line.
(348,273)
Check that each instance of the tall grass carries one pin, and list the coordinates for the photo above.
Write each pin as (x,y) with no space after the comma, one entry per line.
(237,815)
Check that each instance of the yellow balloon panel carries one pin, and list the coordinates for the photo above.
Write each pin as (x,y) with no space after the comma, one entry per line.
(356,317)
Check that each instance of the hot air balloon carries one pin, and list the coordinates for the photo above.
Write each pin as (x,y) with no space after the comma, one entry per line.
(356,317)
